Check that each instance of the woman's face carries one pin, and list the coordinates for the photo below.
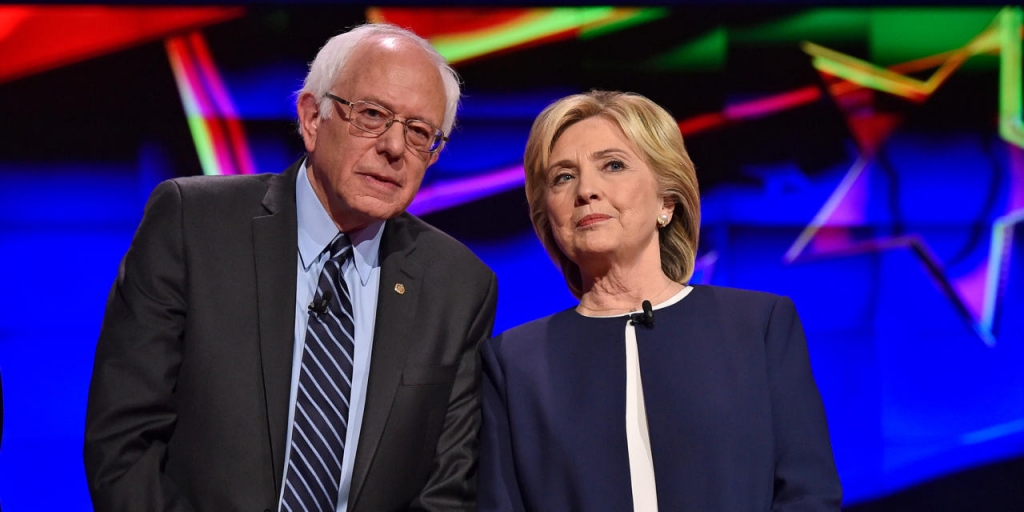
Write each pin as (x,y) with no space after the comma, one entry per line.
(602,198)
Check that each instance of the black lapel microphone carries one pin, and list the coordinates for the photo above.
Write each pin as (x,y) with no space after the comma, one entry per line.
(646,318)
(319,307)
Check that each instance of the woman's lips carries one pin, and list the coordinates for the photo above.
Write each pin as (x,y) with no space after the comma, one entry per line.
(591,219)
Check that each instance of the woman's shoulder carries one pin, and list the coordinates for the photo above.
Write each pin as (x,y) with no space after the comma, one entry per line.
(531,329)
(529,334)
(724,296)
(741,309)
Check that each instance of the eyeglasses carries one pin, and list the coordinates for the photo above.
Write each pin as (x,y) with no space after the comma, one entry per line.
(375,120)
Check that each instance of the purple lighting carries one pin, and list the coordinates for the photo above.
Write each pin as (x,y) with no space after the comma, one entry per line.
(456,192)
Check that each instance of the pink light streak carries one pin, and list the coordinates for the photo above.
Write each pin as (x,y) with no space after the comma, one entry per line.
(769,105)
(225,108)
(216,128)
(456,192)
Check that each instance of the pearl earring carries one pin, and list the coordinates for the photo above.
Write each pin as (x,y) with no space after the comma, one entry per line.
(662,220)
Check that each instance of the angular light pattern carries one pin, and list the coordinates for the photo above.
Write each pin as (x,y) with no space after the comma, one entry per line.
(975,294)
(464,34)
(216,129)
(35,38)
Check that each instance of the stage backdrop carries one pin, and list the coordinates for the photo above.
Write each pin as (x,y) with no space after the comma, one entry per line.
(866,162)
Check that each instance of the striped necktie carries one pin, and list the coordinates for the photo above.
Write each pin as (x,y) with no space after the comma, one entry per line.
(325,381)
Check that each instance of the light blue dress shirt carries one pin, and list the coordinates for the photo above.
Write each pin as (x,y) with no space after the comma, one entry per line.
(362,274)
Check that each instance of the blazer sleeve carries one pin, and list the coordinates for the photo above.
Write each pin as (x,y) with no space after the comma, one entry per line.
(499,489)
(805,474)
(452,483)
(130,414)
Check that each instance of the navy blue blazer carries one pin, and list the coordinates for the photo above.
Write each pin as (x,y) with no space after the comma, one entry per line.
(734,416)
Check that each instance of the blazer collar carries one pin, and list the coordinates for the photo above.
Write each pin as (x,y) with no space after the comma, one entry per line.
(316,230)
(397,302)
(274,243)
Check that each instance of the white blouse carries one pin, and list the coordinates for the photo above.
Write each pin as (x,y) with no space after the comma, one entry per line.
(638,440)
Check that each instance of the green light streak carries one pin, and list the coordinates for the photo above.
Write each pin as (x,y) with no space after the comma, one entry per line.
(204,145)
(632,18)
(870,78)
(904,34)
(197,126)
(544,24)
(706,53)
(829,25)
(1010,125)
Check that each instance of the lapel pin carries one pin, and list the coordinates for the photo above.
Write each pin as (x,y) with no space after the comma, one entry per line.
(400,288)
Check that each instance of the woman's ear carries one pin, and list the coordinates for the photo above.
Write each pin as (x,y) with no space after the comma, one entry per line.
(668,206)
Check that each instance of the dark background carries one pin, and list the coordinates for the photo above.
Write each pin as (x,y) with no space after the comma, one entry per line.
(893,222)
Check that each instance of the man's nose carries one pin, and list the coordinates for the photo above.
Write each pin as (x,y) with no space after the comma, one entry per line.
(392,141)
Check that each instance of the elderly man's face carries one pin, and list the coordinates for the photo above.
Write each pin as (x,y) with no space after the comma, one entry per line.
(361,178)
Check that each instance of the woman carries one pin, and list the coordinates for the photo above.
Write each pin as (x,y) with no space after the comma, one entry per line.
(704,402)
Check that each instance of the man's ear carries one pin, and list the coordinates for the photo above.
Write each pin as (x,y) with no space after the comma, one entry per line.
(309,119)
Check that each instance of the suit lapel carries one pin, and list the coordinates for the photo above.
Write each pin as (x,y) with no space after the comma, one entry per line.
(275,243)
(392,336)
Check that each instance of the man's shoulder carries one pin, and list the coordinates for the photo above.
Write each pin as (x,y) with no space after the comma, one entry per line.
(223,186)
(436,245)
(221,196)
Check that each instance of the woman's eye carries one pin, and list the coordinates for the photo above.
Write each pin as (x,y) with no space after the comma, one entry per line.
(561,177)
(615,165)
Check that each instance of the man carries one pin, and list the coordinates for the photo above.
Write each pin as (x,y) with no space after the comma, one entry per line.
(296,341)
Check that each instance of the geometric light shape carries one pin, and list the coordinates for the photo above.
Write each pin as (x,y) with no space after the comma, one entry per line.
(839,202)
(900,34)
(975,295)
(462,34)
(216,128)
(1011,123)
(750,109)
(831,24)
(706,53)
(876,77)
(38,38)
(450,193)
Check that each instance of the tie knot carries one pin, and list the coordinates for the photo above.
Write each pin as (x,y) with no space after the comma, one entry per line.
(339,247)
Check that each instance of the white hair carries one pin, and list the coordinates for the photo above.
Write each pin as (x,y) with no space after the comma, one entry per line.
(331,60)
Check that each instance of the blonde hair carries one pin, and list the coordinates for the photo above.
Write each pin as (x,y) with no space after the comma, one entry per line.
(656,136)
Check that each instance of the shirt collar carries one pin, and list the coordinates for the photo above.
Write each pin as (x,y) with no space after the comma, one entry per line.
(317,229)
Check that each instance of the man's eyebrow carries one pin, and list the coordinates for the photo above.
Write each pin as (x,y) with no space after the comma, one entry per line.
(378,101)
(385,104)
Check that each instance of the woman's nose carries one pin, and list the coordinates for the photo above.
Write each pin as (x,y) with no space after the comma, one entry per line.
(588,188)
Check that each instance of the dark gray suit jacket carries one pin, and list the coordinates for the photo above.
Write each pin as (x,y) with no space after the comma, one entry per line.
(188,404)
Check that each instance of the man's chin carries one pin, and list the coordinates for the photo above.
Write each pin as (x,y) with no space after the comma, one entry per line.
(361,209)
(376,208)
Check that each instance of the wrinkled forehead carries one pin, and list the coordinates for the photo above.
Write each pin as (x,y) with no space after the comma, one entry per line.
(597,123)
(397,73)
